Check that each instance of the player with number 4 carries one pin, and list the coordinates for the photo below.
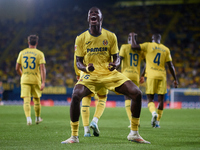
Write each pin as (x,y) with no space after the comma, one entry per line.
(156,55)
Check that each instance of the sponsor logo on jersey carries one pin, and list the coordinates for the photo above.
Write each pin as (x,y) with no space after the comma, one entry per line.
(105,42)
(97,49)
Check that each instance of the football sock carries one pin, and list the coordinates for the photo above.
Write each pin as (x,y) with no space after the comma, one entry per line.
(27,106)
(37,106)
(74,128)
(100,107)
(135,123)
(160,112)
(151,107)
(85,110)
(128,108)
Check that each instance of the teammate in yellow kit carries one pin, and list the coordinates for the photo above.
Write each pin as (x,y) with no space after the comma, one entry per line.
(156,55)
(31,67)
(94,50)
(130,67)
(101,98)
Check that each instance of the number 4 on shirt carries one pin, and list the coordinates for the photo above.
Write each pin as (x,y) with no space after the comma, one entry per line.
(157,59)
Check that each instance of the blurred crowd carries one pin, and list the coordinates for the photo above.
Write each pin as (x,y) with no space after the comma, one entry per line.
(57,29)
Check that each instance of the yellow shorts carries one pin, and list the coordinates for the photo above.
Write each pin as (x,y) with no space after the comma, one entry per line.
(136,82)
(95,82)
(30,90)
(155,86)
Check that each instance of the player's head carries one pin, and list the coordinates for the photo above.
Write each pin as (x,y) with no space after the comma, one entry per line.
(156,38)
(95,16)
(33,40)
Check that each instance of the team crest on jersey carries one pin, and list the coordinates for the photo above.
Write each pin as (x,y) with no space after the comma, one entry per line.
(105,42)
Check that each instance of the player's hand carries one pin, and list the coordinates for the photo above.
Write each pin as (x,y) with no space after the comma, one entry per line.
(141,80)
(90,67)
(111,66)
(42,86)
(133,35)
(175,83)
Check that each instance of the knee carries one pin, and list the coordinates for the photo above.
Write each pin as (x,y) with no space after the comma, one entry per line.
(138,93)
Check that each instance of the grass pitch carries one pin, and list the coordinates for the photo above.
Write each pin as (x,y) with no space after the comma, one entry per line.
(180,130)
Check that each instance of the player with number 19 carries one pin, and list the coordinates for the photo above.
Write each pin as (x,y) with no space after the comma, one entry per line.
(156,55)
(130,67)
(31,67)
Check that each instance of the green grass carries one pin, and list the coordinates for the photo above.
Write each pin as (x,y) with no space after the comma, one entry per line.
(180,130)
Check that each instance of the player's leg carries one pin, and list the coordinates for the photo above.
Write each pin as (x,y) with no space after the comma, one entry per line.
(79,92)
(101,104)
(152,109)
(26,95)
(85,113)
(27,109)
(129,89)
(128,108)
(151,89)
(35,90)
(160,109)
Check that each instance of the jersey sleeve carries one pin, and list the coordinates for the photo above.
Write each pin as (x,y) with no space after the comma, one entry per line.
(42,59)
(19,58)
(168,56)
(78,47)
(144,46)
(122,50)
(77,71)
(114,48)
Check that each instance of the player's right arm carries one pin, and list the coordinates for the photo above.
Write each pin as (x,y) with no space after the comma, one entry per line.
(132,41)
(172,70)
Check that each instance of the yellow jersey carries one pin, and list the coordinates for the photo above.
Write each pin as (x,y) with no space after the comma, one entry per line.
(30,60)
(130,65)
(97,50)
(156,57)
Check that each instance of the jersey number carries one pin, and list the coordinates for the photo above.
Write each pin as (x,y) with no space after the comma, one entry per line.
(157,59)
(133,59)
(32,65)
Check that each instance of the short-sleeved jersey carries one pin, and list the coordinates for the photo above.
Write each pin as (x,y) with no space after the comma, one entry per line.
(77,71)
(30,60)
(130,65)
(97,50)
(156,57)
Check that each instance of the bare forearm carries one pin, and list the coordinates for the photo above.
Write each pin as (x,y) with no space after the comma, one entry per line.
(43,73)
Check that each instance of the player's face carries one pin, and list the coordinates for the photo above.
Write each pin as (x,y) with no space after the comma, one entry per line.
(94,16)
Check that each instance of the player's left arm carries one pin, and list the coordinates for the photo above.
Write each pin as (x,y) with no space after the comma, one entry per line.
(81,66)
(43,76)
(143,73)
(116,62)
(18,69)
(172,70)
(132,41)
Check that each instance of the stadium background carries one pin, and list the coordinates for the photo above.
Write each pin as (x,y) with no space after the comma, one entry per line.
(57,23)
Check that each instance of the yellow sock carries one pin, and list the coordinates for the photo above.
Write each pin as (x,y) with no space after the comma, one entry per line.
(37,106)
(151,107)
(128,108)
(100,107)
(27,106)
(135,123)
(160,112)
(85,110)
(74,128)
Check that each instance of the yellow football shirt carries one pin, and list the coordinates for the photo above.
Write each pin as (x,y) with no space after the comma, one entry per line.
(97,50)
(30,60)
(130,65)
(156,57)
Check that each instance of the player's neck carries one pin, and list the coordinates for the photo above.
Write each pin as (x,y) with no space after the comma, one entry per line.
(95,30)
(31,46)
